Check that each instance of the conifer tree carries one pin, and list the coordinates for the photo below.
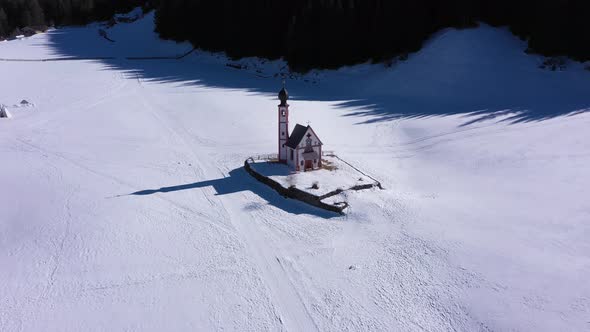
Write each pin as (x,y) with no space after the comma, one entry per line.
(36,13)
(3,23)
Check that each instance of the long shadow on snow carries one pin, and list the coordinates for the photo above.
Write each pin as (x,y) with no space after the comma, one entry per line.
(240,181)
(479,93)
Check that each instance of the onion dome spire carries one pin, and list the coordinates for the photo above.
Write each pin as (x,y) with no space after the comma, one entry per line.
(283,95)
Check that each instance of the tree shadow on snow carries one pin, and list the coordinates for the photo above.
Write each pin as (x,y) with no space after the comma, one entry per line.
(240,181)
(505,86)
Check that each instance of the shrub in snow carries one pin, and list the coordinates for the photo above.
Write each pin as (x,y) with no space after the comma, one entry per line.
(553,64)
(390,62)
(28,31)
(15,34)
(4,112)
(315,185)
(326,164)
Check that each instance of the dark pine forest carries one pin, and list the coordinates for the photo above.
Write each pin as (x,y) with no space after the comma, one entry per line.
(331,33)
(326,33)
(31,13)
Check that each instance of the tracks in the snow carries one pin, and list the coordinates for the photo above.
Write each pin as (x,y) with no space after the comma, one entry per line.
(290,307)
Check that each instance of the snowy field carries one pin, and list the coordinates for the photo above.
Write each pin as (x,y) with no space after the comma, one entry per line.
(125,207)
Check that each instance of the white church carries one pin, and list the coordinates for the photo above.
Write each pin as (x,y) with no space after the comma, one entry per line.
(300,149)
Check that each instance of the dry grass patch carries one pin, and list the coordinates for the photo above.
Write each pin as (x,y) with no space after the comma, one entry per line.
(328,165)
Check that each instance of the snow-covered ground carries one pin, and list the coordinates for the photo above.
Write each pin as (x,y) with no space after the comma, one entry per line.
(335,175)
(125,205)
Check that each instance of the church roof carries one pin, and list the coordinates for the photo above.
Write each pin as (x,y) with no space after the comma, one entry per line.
(297,135)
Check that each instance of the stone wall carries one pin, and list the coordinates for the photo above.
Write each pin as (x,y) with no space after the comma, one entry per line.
(296,193)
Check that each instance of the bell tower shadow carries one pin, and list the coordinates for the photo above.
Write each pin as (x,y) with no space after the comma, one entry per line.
(240,181)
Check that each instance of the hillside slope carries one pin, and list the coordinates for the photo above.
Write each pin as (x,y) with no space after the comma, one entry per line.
(483,223)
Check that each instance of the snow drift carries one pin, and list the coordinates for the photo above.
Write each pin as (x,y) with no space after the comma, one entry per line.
(4,112)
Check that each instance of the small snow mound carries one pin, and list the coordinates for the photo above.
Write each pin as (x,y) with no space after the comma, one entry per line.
(24,103)
(4,112)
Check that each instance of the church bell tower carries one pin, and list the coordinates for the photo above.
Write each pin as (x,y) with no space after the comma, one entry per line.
(283,124)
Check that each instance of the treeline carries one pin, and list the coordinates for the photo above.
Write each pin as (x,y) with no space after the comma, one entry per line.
(324,33)
(26,13)
(332,33)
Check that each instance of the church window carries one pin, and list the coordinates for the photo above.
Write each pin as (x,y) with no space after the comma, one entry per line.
(291,154)
(283,113)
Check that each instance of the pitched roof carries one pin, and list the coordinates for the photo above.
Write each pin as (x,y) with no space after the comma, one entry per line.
(297,135)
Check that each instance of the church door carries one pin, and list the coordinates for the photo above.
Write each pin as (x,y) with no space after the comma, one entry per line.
(308,164)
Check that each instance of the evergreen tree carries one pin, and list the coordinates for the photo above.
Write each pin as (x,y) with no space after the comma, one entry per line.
(3,23)
(26,18)
(36,13)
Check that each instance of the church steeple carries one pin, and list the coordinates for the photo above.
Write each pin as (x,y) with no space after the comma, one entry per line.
(283,123)
(283,95)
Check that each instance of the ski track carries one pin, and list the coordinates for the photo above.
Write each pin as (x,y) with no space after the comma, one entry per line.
(204,217)
(59,248)
(291,311)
